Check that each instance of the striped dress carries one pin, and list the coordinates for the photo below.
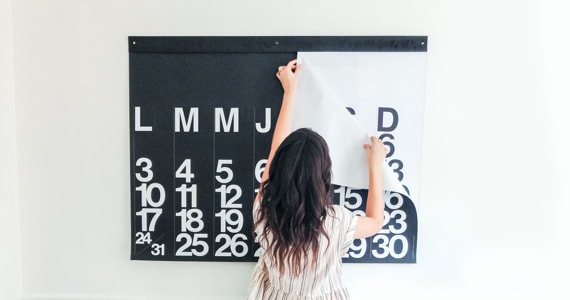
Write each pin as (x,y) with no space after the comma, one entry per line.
(322,282)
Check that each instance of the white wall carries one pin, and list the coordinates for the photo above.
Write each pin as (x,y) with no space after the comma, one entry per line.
(10,243)
(492,213)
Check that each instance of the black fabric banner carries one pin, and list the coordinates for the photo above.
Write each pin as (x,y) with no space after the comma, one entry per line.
(202,111)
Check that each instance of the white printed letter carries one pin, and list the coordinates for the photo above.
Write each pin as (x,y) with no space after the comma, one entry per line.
(192,120)
(267,122)
(227,123)
(138,126)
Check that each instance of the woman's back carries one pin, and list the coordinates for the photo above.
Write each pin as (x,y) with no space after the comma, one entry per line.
(323,280)
(304,235)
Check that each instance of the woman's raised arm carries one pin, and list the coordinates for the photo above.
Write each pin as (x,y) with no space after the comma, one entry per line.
(288,76)
(372,223)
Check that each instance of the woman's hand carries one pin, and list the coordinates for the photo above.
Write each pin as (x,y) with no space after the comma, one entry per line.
(288,75)
(375,152)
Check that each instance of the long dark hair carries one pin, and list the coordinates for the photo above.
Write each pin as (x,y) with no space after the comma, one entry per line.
(296,198)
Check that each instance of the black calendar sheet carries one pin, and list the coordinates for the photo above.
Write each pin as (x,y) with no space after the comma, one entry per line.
(202,113)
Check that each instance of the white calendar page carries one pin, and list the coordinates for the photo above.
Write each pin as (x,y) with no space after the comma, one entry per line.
(349,96)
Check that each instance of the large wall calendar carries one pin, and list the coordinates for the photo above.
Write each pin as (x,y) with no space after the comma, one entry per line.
(202,112)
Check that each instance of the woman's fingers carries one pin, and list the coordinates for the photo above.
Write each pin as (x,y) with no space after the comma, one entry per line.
(279,70)
(297,68)
(292,65)
(376,147)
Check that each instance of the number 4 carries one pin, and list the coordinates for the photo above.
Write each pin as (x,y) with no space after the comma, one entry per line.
(185,170)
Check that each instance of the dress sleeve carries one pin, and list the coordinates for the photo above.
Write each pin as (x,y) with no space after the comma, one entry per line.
(347,226)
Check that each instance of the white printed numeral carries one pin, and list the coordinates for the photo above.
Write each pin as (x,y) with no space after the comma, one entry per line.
(357,249)
(223,169)
(191,220)
(143,238)
(147,194)
(157,249)
(259,169)
(143,213)
(185,171)
(228,223)
(388,246)
(236,244)
(224,191)
(146,168)
(194,243)
(184,190)
(344,194)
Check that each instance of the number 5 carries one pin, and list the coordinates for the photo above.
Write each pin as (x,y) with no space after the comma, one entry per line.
(222,169)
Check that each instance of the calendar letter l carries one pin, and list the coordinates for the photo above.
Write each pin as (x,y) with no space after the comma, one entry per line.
(138,126)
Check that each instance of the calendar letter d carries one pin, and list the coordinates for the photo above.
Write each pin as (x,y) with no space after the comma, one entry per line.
(387,119)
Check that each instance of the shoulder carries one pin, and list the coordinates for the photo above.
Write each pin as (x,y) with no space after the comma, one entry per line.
(339,215)
(339,211)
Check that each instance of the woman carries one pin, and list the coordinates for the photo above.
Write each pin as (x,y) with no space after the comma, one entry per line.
(302,234)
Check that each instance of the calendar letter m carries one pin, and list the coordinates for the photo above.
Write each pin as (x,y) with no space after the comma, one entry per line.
(229,123)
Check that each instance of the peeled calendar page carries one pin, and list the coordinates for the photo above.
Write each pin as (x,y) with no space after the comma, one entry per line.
(202,115)
(349,96)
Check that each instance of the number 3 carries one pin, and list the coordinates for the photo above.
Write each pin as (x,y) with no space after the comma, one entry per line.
(146,168)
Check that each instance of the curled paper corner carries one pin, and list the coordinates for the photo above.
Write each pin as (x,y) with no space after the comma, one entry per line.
(319,108)
(390,180)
